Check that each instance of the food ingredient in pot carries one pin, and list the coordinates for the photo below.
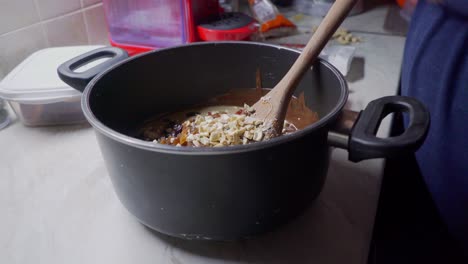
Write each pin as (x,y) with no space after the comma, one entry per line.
(222,122)
(227,127)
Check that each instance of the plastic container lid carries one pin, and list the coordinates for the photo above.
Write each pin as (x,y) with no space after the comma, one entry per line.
(35,80)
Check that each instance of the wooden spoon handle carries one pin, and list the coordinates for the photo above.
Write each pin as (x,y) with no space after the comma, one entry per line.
(319,39)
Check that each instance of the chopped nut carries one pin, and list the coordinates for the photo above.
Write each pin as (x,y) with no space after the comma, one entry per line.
(215,136)
(225,117)
(248,135)
(224,141)
(348,37)
(342,40)
(249,127)
(233,125)
(249,120)
(219,129)
(204,134)
(198,119)
(205,141)
(258,135)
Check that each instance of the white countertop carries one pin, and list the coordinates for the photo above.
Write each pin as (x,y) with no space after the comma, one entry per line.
(381,18)
(59,205)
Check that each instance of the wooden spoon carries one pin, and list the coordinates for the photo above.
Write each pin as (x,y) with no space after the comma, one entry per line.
(272,107)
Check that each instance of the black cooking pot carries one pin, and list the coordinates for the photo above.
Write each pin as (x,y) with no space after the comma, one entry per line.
(231,192)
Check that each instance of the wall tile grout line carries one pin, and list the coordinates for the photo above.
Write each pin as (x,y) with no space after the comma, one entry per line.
(80,23)
(44,33)
(91,6)
(36,6)
(85,20)
(52,19)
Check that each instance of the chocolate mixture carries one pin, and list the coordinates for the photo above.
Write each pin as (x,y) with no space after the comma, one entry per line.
(192,126)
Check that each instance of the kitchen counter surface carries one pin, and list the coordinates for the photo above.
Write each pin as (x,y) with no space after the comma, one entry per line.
(59,205)
(379,17)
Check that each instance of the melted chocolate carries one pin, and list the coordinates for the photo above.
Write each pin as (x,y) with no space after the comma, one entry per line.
(169,124)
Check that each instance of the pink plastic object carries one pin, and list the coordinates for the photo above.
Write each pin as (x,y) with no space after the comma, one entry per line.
(155,23)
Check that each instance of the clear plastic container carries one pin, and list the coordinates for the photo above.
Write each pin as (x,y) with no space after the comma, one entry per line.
(37,95)
(155,23)
(65,112)
(321,7)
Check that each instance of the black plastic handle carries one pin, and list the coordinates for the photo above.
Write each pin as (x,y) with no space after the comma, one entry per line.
(362,141)
(364,144)
(79,80)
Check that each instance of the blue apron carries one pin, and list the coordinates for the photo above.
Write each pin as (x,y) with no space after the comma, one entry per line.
(435,70)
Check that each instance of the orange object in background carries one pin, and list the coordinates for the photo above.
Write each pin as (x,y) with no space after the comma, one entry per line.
(269,16)
(401,3)
(279,21)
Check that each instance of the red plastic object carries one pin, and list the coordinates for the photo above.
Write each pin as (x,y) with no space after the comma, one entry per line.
(227,26)
(131,49)
(230,34)
(198,11)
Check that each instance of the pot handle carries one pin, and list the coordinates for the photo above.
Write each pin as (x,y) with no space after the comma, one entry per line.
(356,132)
(79,80)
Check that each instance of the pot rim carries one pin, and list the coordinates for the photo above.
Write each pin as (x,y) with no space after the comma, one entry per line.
(161,148)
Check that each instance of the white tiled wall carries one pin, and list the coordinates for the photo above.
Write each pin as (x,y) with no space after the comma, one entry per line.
(29,25)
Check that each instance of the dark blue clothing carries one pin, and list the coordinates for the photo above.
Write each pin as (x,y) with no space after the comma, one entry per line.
(435,71)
